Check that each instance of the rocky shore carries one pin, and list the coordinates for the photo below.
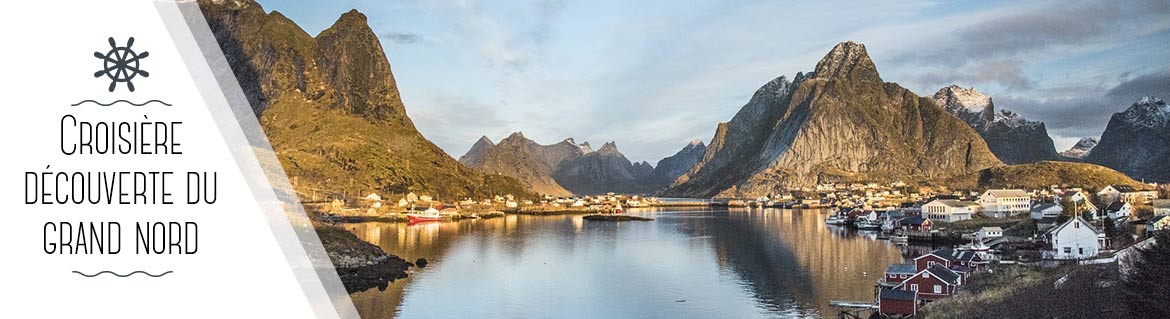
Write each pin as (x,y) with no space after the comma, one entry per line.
(360,265)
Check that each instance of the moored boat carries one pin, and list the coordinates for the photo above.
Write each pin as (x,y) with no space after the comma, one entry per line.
(429,215)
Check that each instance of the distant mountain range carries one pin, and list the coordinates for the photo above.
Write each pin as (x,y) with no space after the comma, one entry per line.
(331,108)
(567,168)
(1137,141)
(1012,138)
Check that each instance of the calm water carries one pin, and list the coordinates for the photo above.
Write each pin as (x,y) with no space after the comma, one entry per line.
(685,264)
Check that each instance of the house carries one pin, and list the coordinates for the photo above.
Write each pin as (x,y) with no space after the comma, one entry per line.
(1119,210)
(1161,207)
(896,302)
(1125,193)
(897,273)
(1074,239)
(948,210)
(986,233)
(1158,223)
(1080,202)
(426,198)
(925,261)
(412,197)
(932,283)
(1040,211)
(999,203)
(373,197)
(916,225)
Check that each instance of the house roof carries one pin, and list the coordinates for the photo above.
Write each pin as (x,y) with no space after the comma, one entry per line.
(960,269)
(1116,206)
(1158,219)
(897,294)
(991,229)
(916,220)
(1044,206)
(901,269)
(1007,193)
(1123,188)
(946,275)
(953,202)
(1057,229)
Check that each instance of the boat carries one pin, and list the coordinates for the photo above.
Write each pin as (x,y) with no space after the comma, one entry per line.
(835,220)
(866,224)
(973,247)
(899,239)
(429,215)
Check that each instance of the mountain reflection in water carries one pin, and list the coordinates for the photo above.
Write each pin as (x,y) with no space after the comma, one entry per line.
(685,264)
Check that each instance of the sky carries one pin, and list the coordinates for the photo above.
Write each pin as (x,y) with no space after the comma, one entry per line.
(654,75)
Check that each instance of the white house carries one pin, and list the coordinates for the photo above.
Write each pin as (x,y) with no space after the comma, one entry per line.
(1119,210)
(1158,223)
(986,233)
(1079,200)
(1075,239)
(948,210)
(1161,207)
(1005,202)
(1040,211)
(1125,193)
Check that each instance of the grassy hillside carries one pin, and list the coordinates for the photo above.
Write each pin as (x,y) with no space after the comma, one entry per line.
(1039,175)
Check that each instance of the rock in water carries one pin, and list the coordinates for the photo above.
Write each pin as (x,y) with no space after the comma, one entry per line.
(840,122)
(421,263)
(1137,141)
(1011,137)
(331,109)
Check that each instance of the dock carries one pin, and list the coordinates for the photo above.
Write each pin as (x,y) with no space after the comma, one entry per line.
(853,309)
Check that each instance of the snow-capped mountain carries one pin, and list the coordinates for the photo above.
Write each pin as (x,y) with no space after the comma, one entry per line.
(1081,149)
(1013,139)
(1137,141)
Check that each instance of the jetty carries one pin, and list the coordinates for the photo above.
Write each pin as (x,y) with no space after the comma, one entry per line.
(614,218)
(853,309)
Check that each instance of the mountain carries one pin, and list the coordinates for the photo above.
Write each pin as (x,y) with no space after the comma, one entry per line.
(560,169)
(671,167)
(840,122)
(1081,149)
(1011,137)
(524,159)
(599,172)
(1137,141)
(331,108)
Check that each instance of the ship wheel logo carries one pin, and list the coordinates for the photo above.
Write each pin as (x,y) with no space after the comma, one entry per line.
(121,64)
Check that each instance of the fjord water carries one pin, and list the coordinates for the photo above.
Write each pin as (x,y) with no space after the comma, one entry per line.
(738,263)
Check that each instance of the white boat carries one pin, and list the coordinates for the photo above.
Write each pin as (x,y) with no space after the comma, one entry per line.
(835,220)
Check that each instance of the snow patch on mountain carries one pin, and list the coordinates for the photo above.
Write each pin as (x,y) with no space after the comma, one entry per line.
(1081,149)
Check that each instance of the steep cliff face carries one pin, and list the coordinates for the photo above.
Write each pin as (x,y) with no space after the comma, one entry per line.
(331,109)
(1011,137)
(671,167)
(1137,141)
(840,122)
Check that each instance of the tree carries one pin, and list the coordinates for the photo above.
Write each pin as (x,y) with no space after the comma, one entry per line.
(1147,289)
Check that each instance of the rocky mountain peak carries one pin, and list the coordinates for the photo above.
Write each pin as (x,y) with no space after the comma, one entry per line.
(1149,111)
(847,60)
(352,60)
(608,148)
(956,98)
(485,140)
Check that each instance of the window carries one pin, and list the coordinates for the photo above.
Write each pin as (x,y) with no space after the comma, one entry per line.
(902,276)
(938,289)
(926,275)
(1080,251)
(1068,250)
(914,287)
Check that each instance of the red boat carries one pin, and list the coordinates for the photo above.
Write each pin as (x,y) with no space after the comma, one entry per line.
(430,215)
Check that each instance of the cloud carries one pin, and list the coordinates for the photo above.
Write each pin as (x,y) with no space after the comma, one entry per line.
(402,37)
(1088,114)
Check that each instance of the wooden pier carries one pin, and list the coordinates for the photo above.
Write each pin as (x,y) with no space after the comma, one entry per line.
(853,309)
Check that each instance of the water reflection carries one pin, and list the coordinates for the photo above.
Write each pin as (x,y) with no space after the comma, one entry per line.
(729,264)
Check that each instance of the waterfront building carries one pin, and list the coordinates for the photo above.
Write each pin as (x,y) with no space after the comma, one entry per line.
(1125,193)
(999,203)
(896,302)
(1044,210)
(948,210)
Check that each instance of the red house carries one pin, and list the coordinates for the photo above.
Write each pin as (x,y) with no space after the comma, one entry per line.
(935,282)
(897,303)
(916,224)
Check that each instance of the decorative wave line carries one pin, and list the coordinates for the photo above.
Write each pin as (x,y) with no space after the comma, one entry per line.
(123,276)
(121,101)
